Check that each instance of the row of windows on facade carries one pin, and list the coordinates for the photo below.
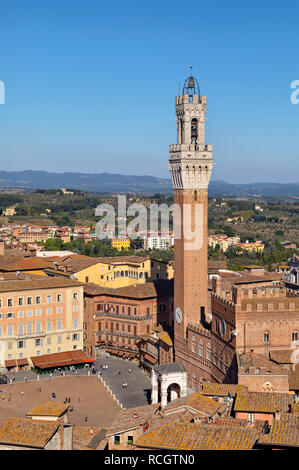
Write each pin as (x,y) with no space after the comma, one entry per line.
(30,300)
(38,352)
(119,339)
(29,327)
(209,355)
(122,309)
(37,313)
(21,344)
(266,337)
(123,327)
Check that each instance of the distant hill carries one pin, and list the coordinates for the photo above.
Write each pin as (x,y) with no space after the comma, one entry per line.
(108,182)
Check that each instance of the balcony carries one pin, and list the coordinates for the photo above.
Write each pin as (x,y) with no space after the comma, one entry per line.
(113,314)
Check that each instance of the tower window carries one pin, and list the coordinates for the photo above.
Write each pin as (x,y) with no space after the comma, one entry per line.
(266,338)
(194,131)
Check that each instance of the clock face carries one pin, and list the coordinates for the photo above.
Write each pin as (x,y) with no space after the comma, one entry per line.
(178,315)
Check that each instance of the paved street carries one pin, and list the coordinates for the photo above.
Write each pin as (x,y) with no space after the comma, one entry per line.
(137,392)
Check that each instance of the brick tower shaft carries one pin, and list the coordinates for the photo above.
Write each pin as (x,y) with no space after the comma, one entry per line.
(190,165)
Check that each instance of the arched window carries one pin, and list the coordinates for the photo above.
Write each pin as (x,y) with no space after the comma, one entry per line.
(266,337)
(194,131)
(209,353)
(195,195)
(182,131)
(201,350)
(294,336)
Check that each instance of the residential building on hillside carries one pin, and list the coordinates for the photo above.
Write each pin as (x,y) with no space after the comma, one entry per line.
(121,243)
(258,246)
(223,241)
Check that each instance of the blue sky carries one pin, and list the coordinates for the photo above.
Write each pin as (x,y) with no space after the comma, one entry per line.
(90,85)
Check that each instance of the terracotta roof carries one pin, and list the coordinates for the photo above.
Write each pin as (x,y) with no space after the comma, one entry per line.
(258,425)
(157,288)
(193,436)
(196,403)
(294,378)
(282,434)
(132,418)
(27,432)
(222,390)
(78,262)
(40,282)
(282,356)
(263,402)
(160,419)
(292,418)
(251,278)
(252,359)
(49,408)
(83,435)
(22,264)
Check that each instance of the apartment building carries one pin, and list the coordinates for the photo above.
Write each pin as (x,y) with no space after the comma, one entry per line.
(38,316)
(114,272)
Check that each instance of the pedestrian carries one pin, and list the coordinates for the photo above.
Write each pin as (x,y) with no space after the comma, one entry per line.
(119,372)
(76,373)
(61,372)
(79,400)
(51,376)
(25,379)
(85,419)
(53,395)
(129,371)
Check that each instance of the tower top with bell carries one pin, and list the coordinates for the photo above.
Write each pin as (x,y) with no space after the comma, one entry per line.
(191,86)
(190,159)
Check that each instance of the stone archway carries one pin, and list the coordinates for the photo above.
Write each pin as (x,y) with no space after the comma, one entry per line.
(173,392)
(169,381)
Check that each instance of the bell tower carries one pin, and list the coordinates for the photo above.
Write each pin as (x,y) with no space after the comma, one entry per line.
(190,165)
